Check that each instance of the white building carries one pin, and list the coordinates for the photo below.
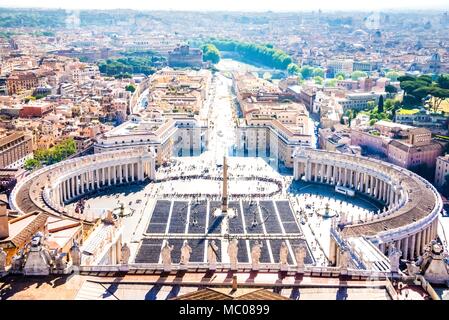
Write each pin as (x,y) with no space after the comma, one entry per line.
(171,135)
(442,170)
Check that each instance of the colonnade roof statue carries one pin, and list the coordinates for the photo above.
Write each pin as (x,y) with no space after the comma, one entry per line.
(418,201)
(44,189)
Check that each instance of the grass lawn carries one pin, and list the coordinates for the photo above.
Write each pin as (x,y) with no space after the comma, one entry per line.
(444,106)
(407,111)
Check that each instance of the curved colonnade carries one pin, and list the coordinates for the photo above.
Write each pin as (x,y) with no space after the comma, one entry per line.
(49,188)
(410,217)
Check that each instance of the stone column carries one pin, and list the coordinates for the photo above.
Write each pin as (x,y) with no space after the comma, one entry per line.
(92,179)
(61,195)
(109,175)
(424,238)
(127,172)
(418,243)
(139,173)
(74,186)
(405,248)
(98,178)
(66,193)
(71,188)
(382,248)
(412,247)
(82,183)
(120,173)
(333,174)
(435,226)
(62,192)
(87,181)
(308,170)
(377,188)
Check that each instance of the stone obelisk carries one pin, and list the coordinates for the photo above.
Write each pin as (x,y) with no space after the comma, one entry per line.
(224,196)
(224,210)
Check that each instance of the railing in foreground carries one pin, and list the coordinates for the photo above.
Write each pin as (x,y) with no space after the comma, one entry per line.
(150,268)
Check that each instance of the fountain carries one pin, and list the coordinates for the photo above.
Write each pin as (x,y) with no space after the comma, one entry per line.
(327,211)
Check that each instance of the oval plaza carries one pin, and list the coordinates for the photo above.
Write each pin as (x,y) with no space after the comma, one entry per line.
(407,221)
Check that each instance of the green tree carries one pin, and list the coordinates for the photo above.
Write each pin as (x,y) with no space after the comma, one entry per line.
(331,83)
(307,72)
(131,88)
(438,96)
(392,75)
(358,74)
(390,89)
(318,80)
(57,153)
(318,72)
(262,54)
(210,53)
(31,164)
(340,76)
(380,104)
(293,69)
(443,81)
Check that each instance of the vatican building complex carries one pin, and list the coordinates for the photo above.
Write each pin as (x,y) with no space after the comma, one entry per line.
(214,181)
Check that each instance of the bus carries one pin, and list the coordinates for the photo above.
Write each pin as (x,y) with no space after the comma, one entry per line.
(345,191)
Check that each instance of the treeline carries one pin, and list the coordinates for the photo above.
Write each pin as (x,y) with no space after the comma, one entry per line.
(210,53)
(423,90)
(32,18)
(52,155)
(56,18)
(259,53)
(131,64)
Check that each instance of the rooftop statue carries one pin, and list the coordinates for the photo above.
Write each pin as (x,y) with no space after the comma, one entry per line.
(300,255)
(256,252)
(2,260)
(283,254)
(212,252)
(394,255)
(17,261)
(186,250)
(166,254)
(345,259)
(59,262)
(232,253)
(125,253)
(75,254)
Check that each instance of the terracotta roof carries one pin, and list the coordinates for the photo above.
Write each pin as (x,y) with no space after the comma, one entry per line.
(36,221)
(228,294)
(7,139)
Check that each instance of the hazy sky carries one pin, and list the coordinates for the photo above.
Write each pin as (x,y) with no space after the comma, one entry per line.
(234,5)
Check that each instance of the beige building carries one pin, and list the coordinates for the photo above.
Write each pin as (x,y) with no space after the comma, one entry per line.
(403,145)
(271,126)
(442,170)
(172,134)
(178,90)
(14,150)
